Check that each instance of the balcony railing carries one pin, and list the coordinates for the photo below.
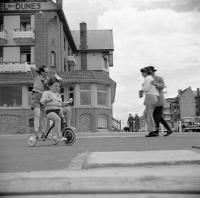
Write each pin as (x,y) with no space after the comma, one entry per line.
(14,67)
(3,37)
(20,35)
(71,61)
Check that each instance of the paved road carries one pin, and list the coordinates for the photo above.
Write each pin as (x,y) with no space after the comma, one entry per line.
(16,155)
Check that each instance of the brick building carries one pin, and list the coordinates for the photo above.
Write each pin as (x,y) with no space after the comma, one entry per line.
(37,32)
(186,104)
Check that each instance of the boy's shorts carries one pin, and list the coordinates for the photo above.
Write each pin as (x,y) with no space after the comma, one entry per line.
(35,101)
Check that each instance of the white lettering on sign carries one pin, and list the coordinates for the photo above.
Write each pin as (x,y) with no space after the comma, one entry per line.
(20,6)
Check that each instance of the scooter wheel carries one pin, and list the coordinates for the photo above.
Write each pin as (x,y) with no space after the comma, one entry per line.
(70,135)
(32,140)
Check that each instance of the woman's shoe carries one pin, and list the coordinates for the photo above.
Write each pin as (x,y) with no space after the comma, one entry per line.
(152,134)
(168,133)
(62,139)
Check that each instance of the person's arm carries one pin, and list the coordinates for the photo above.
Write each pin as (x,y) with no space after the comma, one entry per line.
(159,83)
(33,69)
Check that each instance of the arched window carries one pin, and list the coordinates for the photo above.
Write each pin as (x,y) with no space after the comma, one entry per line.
(53,59)
(102,122)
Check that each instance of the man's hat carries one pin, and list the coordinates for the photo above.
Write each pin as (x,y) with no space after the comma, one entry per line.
(152,68)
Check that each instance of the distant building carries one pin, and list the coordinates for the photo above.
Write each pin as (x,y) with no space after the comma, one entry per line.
(37,32)
(185,104)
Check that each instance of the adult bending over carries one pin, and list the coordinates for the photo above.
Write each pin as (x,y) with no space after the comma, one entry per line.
(40,76)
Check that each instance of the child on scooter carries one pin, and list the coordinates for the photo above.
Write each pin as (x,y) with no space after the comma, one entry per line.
(53,105)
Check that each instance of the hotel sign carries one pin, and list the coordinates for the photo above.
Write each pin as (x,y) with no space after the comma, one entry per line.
(21,5)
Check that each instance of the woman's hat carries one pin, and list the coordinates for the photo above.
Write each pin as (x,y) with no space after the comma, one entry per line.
(152,68)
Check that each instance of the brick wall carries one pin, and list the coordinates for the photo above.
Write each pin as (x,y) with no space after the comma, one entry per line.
(86,119)
(14,121)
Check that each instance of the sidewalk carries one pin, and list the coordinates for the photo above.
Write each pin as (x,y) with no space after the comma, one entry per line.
(174,173)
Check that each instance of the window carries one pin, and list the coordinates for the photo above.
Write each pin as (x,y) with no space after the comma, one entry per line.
(102,122)
(64,43)
(53,59)
(85,95)
(105,62)
(1,54)
(29,95)
(10,96)
(25,22)
(102,95)
(65,64)
(71,94)
(25,54)
(1,23)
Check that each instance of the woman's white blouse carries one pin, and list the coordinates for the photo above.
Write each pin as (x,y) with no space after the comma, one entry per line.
(147,86)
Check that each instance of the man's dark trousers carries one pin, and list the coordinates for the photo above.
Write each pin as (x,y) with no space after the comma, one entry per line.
(158,118)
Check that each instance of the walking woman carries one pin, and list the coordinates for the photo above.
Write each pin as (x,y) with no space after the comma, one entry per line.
(151,98)
(40,77)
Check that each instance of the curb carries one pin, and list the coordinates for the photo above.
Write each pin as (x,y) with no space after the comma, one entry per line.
(141,158)
(164,180)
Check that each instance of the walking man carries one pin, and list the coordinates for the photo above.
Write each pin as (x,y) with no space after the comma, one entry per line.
(136,123)
(130,122)
(158,111)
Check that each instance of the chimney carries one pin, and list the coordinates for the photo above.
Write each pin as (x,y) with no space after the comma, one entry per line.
(83,35)
(83,45)
(59,4)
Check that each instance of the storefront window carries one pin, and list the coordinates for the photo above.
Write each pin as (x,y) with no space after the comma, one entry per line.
(102,96)
(85,95)
(10,96)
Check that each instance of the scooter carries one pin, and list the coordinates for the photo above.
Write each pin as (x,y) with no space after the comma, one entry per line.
(67,132)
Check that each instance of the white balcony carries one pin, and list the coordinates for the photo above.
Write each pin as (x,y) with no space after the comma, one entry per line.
(14,67)
(71,61)
(21,36)
(3,37)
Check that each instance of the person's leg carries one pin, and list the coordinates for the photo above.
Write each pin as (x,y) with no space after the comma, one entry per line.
(57,120)
(151,100)
(44,123)
(131,128)
(36,120)
(150,120)
(163,121)
(68,114)
(157,115)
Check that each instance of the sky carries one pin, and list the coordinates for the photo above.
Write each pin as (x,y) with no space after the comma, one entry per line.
(162,33)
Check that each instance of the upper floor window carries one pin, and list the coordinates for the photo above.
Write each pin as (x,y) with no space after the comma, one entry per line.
(105,60)
(102,95)
(10,96)
(85,94)
(1,54)
(1,23)
(53,59)
(25,22)
(25,54)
